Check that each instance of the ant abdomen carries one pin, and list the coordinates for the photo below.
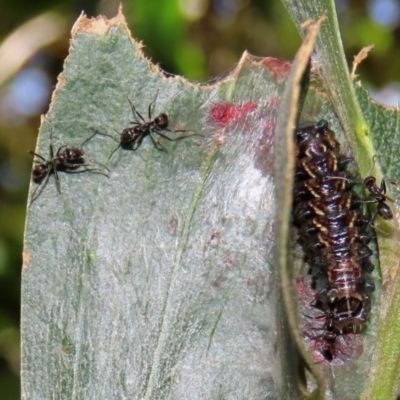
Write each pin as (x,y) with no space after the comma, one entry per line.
(380,197)
(39,172)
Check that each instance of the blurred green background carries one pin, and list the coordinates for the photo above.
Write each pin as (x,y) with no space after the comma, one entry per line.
(199,39)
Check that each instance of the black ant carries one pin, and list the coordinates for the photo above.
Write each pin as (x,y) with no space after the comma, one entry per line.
(67,159)
(131,138)
(379,193)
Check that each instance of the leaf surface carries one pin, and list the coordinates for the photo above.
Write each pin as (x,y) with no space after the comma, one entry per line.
(157,281)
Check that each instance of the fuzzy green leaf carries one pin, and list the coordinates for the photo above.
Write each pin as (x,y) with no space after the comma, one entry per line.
(156,282)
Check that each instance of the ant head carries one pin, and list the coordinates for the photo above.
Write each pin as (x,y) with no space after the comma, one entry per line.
(369,181)
(322,126)
(39,172)
(161,121)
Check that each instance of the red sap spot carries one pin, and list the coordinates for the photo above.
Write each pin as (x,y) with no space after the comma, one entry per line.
(274,102)
(279,68)
(249,107)
(224,113)
(229,262)
(214,238)
(270,125)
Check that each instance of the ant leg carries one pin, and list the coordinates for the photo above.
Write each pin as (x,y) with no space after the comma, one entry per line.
(137,142)
(90,137)
(57,179)
(106,134)
(178,138)
(157,144)
(136,113)
(114,151)
(51,148)
(92,170)
(33,154)
(374,227)
(152,104)
(384,190)
(59,149)
(367,201)
(158,130)
(169,130)
(101,165)
(383,187)
(36,193)
(87,164)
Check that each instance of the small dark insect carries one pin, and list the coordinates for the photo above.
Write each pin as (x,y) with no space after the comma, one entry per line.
(131,138)
(328,345)
(67,159)
(379,193)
